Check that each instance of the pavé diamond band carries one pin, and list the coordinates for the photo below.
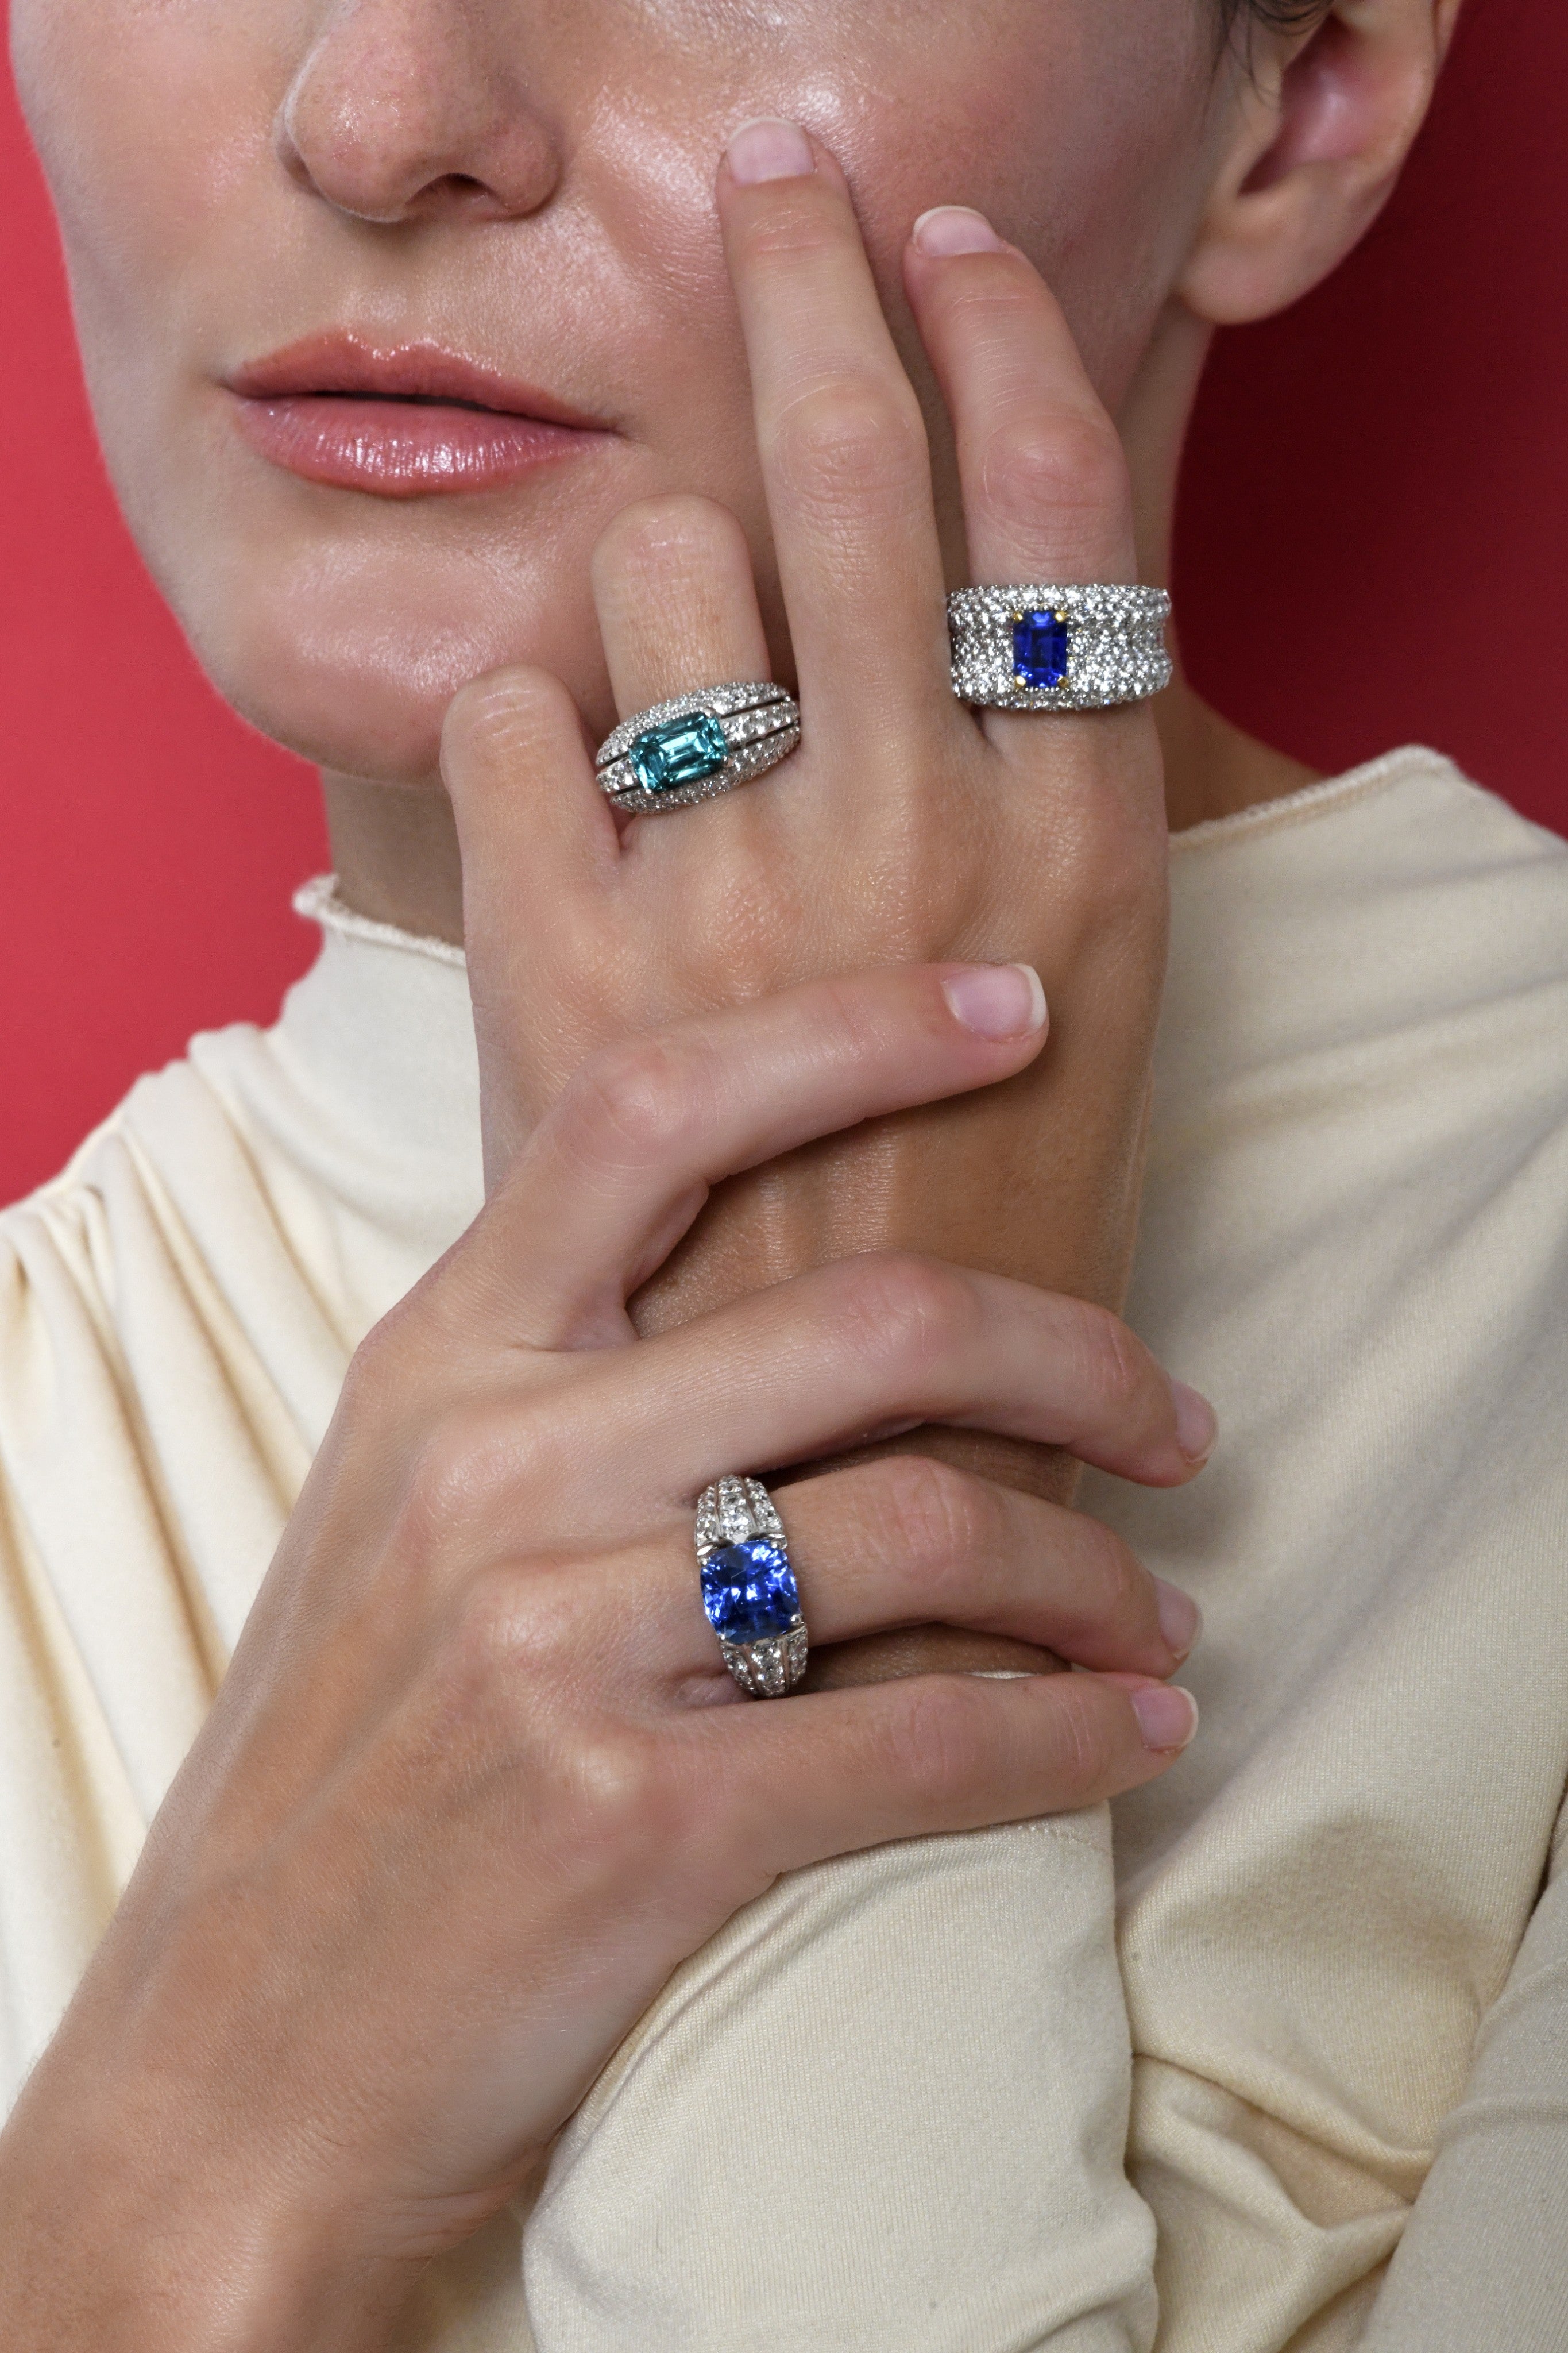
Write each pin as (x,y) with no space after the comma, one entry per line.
(698,745)
(748,1588)
(1040,648)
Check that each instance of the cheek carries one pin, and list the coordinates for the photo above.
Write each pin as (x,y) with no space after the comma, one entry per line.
(1079,132)
(148,121)
(342,626)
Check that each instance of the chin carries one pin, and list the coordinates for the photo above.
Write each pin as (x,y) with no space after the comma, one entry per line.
(356,675)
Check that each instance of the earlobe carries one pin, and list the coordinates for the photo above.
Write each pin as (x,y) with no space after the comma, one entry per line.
(1320,131)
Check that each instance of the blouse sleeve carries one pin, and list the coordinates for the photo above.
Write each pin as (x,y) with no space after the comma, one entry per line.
(1484,2257)
(886,2106)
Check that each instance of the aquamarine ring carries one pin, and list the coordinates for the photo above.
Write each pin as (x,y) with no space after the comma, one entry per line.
(1044,646)
(698,745)
(749,1590)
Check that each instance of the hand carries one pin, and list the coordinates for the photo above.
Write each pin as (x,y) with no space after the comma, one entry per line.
(476,1778)
(904,826)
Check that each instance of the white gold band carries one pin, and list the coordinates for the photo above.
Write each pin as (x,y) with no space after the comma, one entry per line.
(698,745)
(749,1592)
(1059,647)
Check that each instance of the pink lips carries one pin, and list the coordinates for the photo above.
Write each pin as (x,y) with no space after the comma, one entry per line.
(417,421)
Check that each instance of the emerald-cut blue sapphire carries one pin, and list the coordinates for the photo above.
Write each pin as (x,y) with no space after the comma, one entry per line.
(1040,649)
(749,1590)
(681,752)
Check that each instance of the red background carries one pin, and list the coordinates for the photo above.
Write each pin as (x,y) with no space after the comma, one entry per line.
(1378,488)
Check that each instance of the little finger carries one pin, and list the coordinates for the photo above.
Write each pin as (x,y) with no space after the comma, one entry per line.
(827,1773)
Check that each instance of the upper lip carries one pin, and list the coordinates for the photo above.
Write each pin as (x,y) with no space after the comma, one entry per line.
(347,363)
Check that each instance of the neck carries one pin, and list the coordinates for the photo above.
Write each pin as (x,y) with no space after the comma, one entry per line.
(394,848)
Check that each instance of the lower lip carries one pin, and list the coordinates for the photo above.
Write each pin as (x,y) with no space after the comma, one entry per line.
(400,449)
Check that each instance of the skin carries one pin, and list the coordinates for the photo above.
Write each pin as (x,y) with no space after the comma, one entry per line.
(805,397)
(447,1828)
(532,183)
(536,186)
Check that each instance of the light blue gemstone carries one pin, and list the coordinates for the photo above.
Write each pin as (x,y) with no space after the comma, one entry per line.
(749,1590)
(681,752)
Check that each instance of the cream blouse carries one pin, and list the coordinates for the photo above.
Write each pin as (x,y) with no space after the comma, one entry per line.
(966,2095)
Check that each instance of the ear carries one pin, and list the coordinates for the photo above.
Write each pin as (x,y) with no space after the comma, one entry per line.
(1319,126)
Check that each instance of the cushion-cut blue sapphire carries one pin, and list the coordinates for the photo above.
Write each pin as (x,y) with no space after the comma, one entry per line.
(1040,649)
(749,1590)
(681,752)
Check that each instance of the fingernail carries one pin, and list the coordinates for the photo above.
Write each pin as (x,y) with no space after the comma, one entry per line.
(997,1000)
(765,149)
(1180,1619)
(1167,1715)
(1197,1424)
(955,229)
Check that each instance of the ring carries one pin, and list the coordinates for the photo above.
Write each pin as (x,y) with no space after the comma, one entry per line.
(749,1590)
(698,745)
(1059,649)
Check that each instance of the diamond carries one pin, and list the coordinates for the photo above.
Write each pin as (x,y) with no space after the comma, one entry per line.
(749,1592)
(681,752)
(1041,649)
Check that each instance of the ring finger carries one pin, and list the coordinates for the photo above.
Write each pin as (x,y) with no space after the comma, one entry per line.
(912,1542)
(676,602)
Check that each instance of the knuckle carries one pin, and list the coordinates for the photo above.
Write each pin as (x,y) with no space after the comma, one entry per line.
(449,1477)
(377,1385)
(1040,467)
(624,1804)
(517,1642)
(1113,1366)
(938,1517)
(847,444)
(409,1365)
(665,541)
(494,722)
(907,1312)
(492,1631)
(1087,1749)
(1119,1580)
(636,1105)
(940,1752)
(472,1472)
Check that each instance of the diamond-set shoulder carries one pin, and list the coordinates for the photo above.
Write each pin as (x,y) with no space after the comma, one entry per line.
(1058,646)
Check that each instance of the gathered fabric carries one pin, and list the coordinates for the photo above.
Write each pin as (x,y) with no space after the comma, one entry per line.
(1174,2075)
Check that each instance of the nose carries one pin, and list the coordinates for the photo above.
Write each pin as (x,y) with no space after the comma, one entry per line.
(406,109)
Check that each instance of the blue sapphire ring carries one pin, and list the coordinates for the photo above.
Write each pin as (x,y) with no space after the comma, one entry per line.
(748,1588)
(1041,647)
(698,745)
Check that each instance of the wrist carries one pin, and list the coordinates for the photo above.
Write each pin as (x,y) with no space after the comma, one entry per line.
(120,2238)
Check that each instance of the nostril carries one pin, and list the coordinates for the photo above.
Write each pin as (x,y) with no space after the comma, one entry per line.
(389,126)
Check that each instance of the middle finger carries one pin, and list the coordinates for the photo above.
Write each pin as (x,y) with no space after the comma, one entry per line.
(843,448)
(870,1348)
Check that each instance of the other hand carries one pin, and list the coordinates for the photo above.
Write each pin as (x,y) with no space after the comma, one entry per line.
(477,1780)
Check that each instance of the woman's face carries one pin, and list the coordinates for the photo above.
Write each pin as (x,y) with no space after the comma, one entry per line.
(380,197)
